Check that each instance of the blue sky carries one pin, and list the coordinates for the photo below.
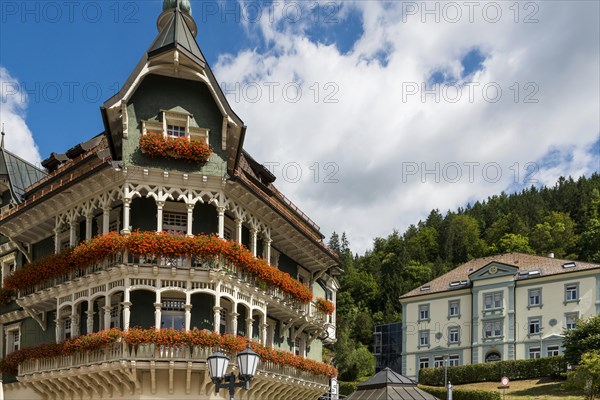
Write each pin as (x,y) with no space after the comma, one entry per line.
(378,117)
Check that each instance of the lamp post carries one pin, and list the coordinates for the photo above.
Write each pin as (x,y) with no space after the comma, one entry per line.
(218,362)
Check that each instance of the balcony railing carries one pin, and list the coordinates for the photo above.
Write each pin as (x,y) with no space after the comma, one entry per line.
(184,263)
(152,352)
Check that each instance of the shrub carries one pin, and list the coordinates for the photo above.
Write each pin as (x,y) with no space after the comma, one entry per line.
(491,372)
(462,394)
(347,388)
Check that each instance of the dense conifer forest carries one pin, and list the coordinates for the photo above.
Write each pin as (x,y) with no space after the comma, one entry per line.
(563,219)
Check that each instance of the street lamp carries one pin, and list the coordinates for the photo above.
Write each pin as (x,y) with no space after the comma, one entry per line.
(247,362)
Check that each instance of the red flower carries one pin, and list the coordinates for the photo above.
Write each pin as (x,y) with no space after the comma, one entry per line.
(157,145)
(165,337)
(150,245)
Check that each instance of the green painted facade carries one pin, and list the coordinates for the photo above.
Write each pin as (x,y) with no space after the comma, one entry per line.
(158,93)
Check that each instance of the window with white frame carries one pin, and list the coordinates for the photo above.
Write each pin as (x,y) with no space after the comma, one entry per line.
(534,352)
(172,314)
(115,316)
(423,312)
(423,338)
(453,334)
(67,325)
(454,308)
(423,362)
(176,130)
(571,320)
(13,338)
(492,301)
(438,361)
(298,347)
(535,325)
(492,329)
(571,292)
(453,360)
(552,351)
(535,297)
(175,222)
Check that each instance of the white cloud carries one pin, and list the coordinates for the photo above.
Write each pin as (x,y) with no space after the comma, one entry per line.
(372,133)
(13,107)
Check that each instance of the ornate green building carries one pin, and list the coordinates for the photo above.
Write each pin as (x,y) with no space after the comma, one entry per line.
(132,256)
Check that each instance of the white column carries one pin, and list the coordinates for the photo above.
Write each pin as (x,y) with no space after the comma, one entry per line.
(249,327)
(264,331)
(126,310)
(126,214)
(88,227)
(188,316)
(221,216)
(217,318)
(58,330)
(238,230)
(190,217)
(234,321)
(72,233)
(90,317)
(57,240)
(107,318)
(74,323)
(267,250)
(159,215)
(105,220)
(157,311)
(253,239)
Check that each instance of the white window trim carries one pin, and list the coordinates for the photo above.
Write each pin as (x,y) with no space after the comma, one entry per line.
(9,331)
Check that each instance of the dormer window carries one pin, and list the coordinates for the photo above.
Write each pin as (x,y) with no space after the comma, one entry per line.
(176,124)
(176,131)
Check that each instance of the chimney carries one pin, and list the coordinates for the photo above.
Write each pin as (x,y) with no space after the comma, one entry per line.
(551,255)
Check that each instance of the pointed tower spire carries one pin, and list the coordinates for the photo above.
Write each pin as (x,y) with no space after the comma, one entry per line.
(2,132)
(177,30)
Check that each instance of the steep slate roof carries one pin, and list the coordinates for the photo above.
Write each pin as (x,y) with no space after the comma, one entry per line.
(20,173)
(524,262)
(388,385)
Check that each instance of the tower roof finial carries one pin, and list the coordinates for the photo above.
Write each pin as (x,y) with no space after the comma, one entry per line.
(2,141)
(181,5)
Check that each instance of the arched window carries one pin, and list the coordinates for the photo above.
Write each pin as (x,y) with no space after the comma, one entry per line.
(493,356)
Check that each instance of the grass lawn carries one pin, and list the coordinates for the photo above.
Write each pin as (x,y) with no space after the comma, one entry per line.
(530,389)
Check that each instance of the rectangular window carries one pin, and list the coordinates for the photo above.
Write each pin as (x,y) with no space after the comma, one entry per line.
(493,301)
(377,346)
(534,352)
(67,328)
(535,326)
(552,351)
(423,362)
(454,308)
(176,130)
(298,347)
(571,319)
(424,338)
(423,312)
(175,222)
(453,360)
(492,329)
(453,335)
(115,317)
(571,293)
(535,297)
(438,361)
